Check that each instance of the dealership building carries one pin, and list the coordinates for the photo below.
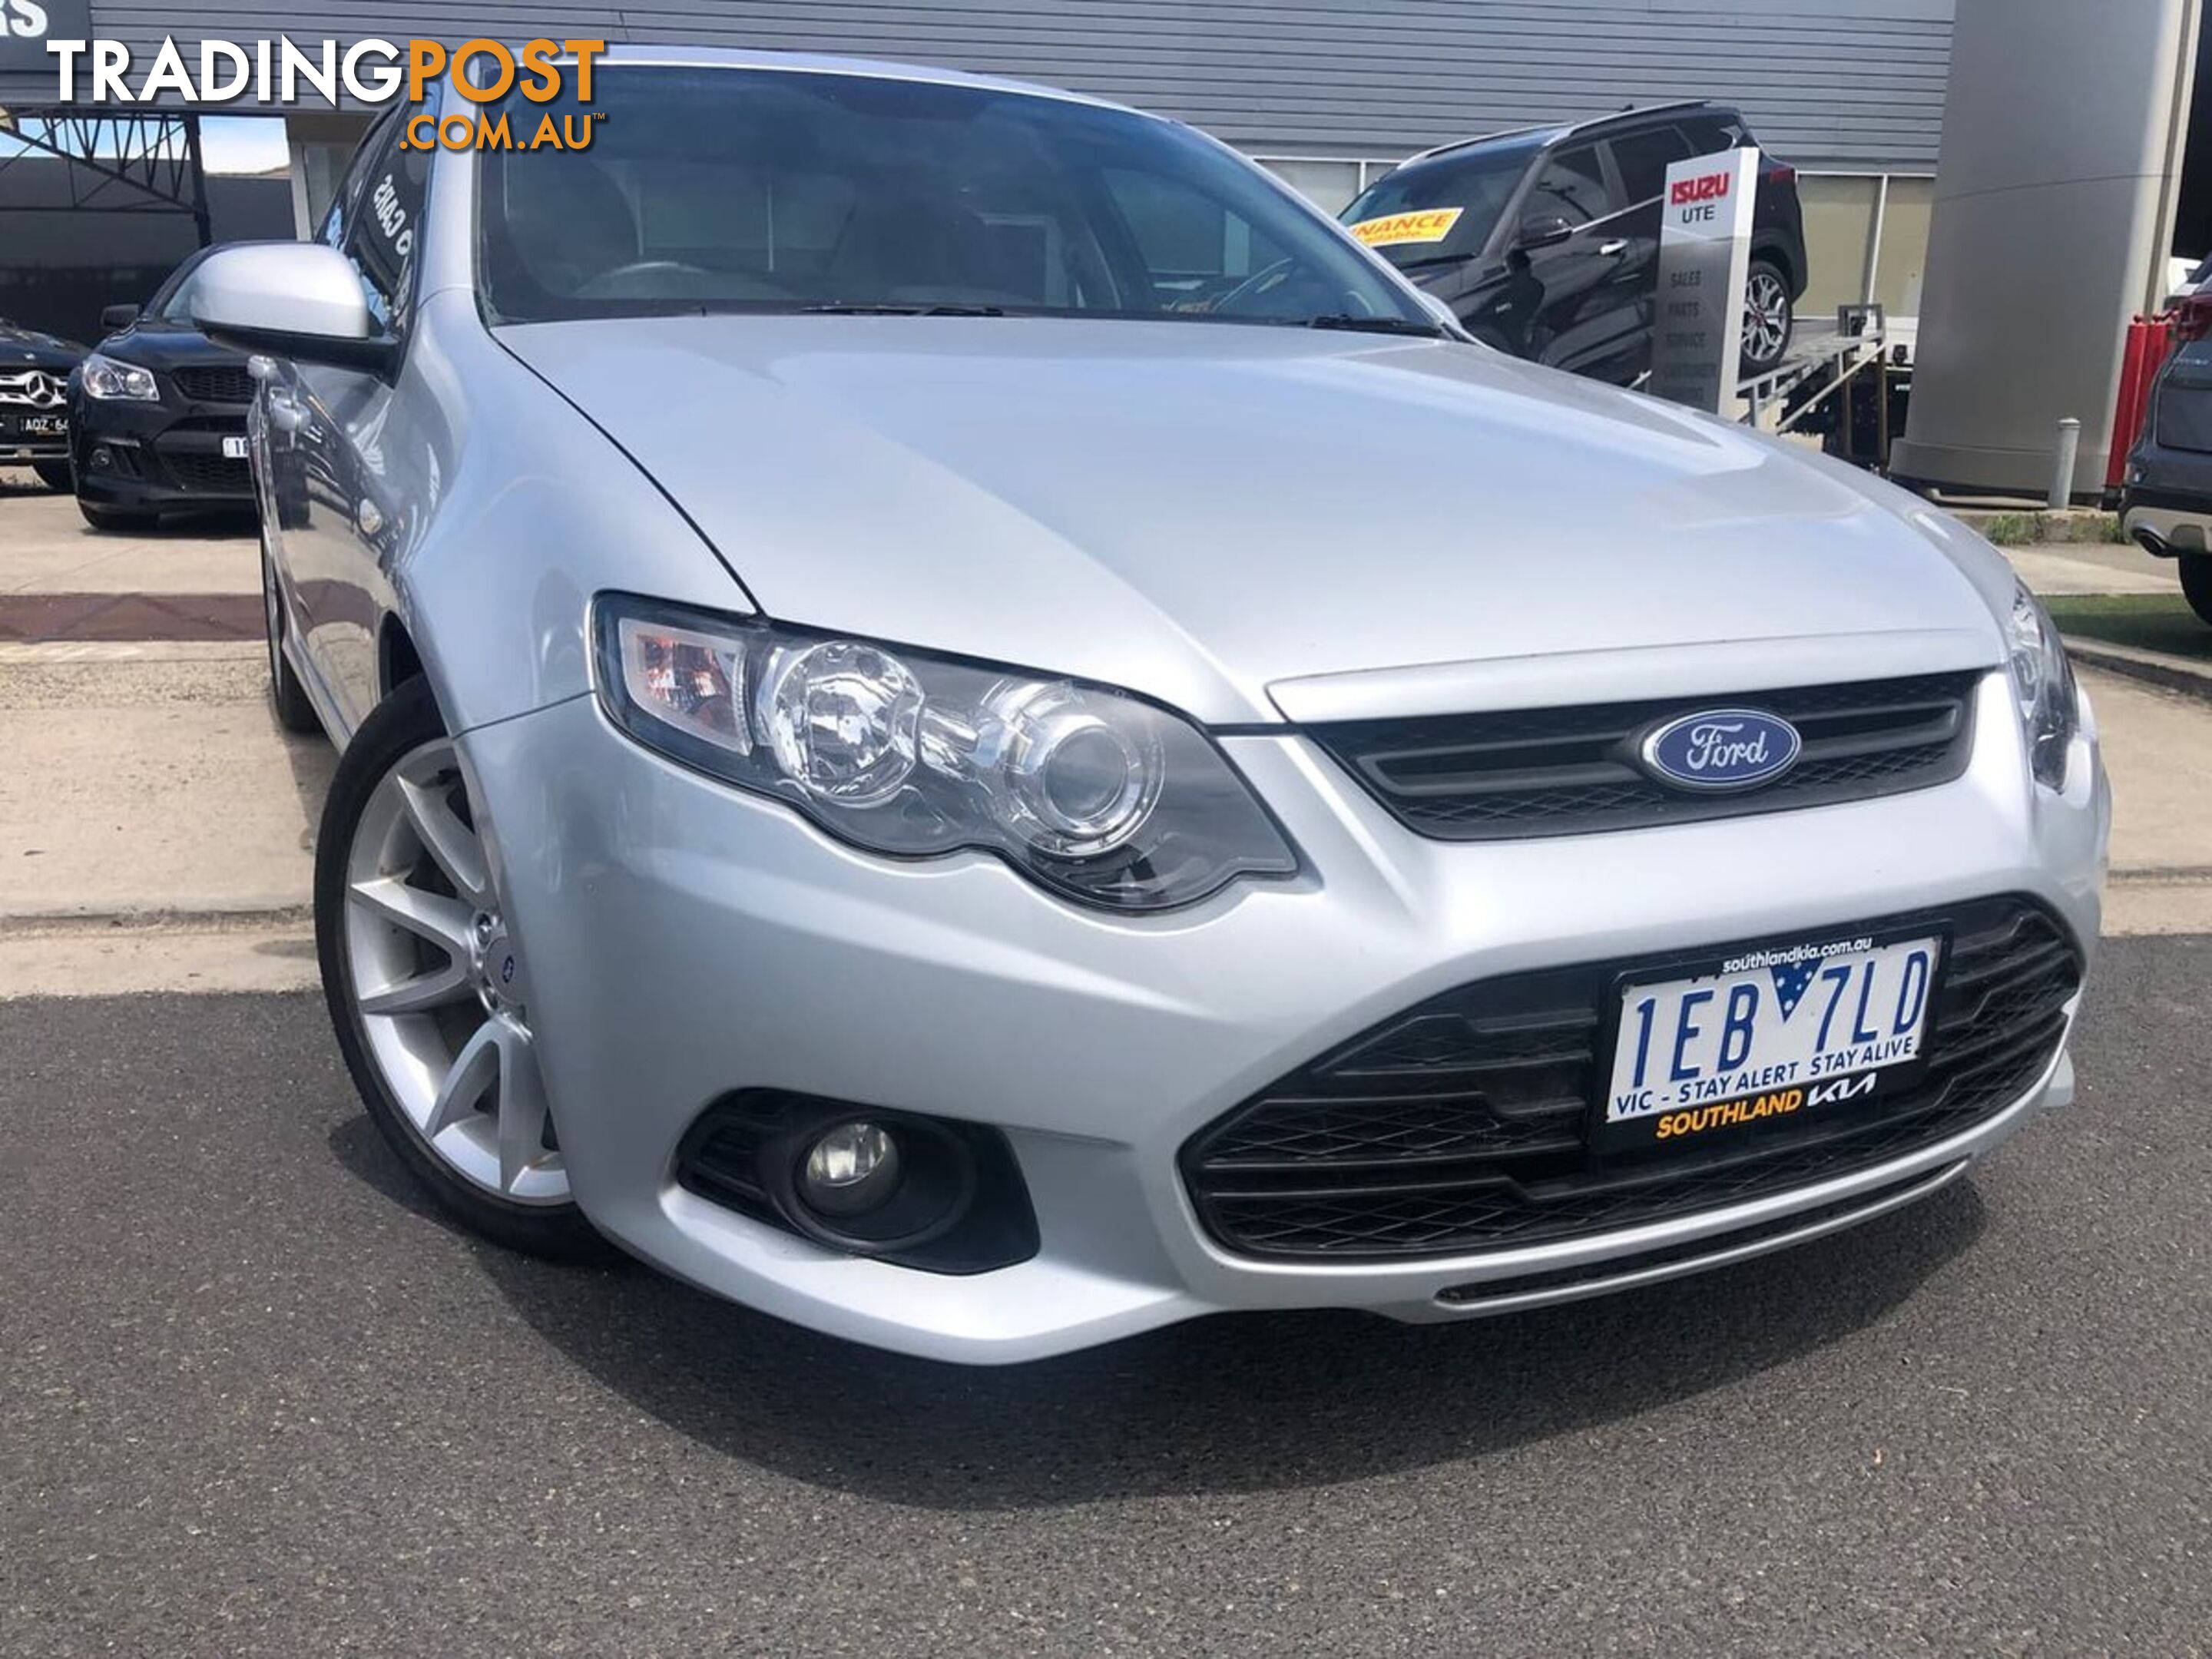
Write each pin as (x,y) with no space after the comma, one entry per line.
(1329,93)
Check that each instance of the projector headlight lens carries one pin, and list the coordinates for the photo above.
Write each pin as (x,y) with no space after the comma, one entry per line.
(1087,791)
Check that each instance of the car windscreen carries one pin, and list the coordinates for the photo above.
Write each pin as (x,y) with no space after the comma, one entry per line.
(171,301)
(1438,210)
(713,190)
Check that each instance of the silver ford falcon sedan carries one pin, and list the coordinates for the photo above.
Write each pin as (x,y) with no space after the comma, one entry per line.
(964,724)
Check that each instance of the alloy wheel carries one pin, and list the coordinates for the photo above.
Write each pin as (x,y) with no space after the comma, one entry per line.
(438,983)
(1766,318)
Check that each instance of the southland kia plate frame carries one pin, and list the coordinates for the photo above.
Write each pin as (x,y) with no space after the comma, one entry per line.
(1934,923)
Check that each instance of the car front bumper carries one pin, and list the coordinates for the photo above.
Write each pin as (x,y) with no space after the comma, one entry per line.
(682,940)
(19,446)
(147,456)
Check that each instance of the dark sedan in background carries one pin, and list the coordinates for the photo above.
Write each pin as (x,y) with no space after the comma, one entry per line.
(1545,241)
(34,371)
(158,415)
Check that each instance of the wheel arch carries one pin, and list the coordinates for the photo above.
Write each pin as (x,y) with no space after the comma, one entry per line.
(1776,250)
(396,659)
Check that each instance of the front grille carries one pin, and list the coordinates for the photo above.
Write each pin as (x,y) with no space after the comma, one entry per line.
(1573,771)
(1461,1124)
(36,389)
(216,383)
(208,475)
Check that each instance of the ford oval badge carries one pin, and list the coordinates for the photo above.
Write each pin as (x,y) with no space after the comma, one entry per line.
(1718,748)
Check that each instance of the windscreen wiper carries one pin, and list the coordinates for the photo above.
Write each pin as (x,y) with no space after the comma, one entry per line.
(1377,324)
(858,310)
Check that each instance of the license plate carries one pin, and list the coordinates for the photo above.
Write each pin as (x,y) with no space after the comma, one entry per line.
(234,449)
(1765,1036)
(43,426)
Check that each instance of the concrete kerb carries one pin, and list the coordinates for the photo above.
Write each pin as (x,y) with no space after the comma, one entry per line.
(2156,668)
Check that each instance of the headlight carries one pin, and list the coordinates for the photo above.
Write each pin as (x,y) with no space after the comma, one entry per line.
(1086,790)
(2043,686)
(105,378)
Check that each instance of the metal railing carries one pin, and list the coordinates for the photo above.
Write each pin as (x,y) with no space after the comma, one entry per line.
(1861,340)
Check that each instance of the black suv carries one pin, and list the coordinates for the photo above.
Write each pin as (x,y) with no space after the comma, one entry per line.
(157,414)
(1554,253)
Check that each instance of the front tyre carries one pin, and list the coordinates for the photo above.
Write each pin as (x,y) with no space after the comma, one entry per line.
(2197,583)
(425,986)
(55,475)
(1769,317)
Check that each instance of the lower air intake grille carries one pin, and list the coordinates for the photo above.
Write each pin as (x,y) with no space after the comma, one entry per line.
(1459,1125)
(212,475)
(1573,771)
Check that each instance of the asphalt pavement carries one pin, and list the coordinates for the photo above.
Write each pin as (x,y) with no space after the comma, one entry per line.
(255,1399)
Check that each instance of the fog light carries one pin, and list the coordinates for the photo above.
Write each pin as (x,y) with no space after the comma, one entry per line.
(852,1169)
(865,1180)
(102,458)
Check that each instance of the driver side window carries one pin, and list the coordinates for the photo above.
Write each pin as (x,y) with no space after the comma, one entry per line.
(375,220)
(1571,186)
(386,200)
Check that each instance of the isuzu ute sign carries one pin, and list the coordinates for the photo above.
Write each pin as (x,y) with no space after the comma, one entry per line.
(1704,264)
(1704,187)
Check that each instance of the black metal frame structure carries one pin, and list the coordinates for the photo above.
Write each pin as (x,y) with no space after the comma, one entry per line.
(142,162)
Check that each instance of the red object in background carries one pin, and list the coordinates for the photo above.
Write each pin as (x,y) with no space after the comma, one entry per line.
(2151,341)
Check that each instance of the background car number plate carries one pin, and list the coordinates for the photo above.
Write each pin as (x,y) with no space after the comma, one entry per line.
(234,449)
(1767,1034)
(45,426)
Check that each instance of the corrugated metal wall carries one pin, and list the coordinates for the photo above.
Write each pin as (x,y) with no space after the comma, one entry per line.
(1853,83)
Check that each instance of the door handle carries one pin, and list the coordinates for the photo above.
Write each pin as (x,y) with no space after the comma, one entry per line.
(1614,249)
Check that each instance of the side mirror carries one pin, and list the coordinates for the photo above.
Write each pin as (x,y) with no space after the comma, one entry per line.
(297,300)
(1543,230)
(115,318)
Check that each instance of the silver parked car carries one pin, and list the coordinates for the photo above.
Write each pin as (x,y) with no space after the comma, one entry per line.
(963,722)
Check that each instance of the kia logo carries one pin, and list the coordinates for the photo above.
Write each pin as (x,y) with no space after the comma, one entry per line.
(1721,748)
